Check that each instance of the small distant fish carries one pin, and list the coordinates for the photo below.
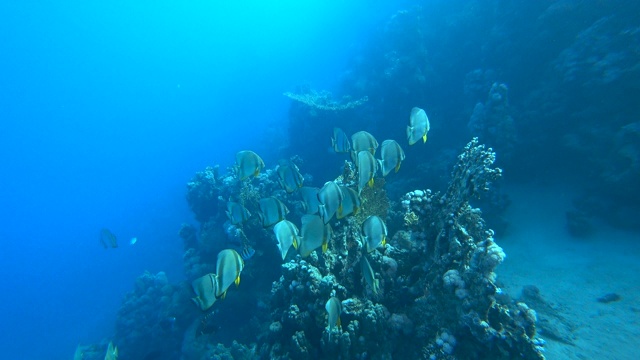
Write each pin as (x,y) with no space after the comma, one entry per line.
(112,352)
(247,253)
(334,309)
(392,156)
(107,239)
(248,164)
(340,141)
(418,126)
(133,241)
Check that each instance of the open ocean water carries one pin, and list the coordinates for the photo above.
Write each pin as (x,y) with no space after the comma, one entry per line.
(109,110)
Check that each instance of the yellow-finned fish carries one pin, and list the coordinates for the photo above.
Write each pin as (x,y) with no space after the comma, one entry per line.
(340,141)
(228,269)
(418,126)
(369,276)
(287,234)
(315,234)
(289,176)
(367,167)
(364,141)
(205,288)
(248,164)
(375,233)
(330,197)
(309,197)
(334,309)
(392,156)
(237,213)
(272,210)
(350,202)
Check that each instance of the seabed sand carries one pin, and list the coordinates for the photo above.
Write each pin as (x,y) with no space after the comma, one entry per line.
(572,273)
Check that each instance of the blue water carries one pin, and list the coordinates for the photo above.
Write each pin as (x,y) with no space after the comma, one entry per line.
(106,111)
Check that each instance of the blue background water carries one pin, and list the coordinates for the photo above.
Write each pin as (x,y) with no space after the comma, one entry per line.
(107,110)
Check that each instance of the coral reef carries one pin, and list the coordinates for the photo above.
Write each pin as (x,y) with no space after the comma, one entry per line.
(153,318)
(429,293)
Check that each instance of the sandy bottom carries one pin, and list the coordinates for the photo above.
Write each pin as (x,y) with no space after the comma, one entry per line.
(571,274)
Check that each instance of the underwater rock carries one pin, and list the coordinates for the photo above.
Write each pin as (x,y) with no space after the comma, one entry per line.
(608,298)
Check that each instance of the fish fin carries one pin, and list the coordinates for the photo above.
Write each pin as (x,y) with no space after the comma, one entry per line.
(325,247)
(424,138)
(340,209)
(398,167)
(237,280)
(295,243)
(370,183)
(224,295)
(355,210)
(256,172)
(384,241)
(339,323)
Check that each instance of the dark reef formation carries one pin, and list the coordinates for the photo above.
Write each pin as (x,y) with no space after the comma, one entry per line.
(436,296)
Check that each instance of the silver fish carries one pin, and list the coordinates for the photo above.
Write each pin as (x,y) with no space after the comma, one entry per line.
(289,176)
(237,213)
(418,126)
(369,275)
(205,289)
(340,141)
(248,164)
(309,197)
(272,210)
(330,197)
(334,309)
(375,233)
(228,268)
(367,167)
(364,141)
(112,352)
(108,239)
(287,234)
(350,202)
(315,234)
(392,156)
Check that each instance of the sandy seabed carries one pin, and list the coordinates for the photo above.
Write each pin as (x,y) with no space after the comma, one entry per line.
(571,274)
